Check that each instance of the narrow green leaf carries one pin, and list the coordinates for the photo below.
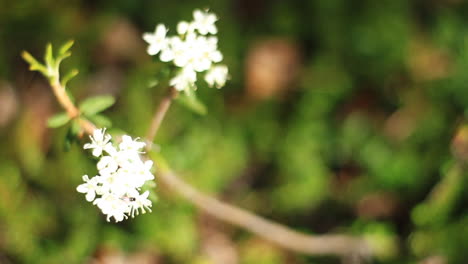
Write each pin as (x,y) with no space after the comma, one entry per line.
(72,134)
(192,103)
(68,140)
(96,104)
(34,65)
(49,56)
(101,121)
(58,120)
(60,58)
(68,77)
(75,128)
(29,58)
(65,47)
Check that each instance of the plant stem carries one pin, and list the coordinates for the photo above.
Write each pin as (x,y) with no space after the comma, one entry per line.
(341,245)
(65,101)
(159,114)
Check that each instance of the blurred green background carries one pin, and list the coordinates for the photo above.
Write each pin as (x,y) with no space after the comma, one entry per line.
(340,116)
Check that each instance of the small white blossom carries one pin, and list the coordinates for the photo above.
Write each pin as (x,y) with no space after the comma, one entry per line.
(107,165)
(184,80)
(217,76)
(99,142)
(184,27)
(205,22)
(157,41)
(129,144)
(112,206)
(90,187)
(140,202)
(122,174)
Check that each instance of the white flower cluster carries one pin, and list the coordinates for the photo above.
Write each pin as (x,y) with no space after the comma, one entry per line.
(193,51)
(122,173)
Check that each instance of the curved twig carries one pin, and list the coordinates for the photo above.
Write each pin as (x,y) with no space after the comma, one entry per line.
(159,114)
(341,245)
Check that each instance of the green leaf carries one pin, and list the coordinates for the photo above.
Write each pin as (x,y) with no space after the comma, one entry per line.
(72,134)
(29,58)
(101,121)
(75,128)
(68,77)
(192,103)
(58,120)
(34,65)
(94,105)
(65,47)
(49,56)
(68,140)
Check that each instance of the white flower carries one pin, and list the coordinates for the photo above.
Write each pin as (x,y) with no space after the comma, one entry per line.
(113,206)
(192,50)
(204,22)
(140,202)
(182,50)
(184,80)
(184,27)
(107,165)
(99,142)
(157,41)
(217,76)
(122,174)
(205,52)
(90,187)
(142,173)
(129,144)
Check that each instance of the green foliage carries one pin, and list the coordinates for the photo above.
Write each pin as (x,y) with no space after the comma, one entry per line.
(382,240)
(360,143)
(51,66)
(101,120)
(58,120)
(93,105)
(191,102)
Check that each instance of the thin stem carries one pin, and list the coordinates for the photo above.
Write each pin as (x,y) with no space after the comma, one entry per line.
(65,101)
(341,245)
(159,114)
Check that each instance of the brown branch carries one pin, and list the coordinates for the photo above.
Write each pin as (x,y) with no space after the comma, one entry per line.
(65,101)
(341,245)
(159,115)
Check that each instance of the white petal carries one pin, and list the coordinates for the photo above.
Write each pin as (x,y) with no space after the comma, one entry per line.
(153,49)
(198,14)
(212,29)
(97,151)
(98,135)
(88,146)
(144,195)
(148,37)
(160,31)
(110,149)
(166,55)
(211,17)
(148,164)
(82,188)
(182,27)
(90,196)
(216,56)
